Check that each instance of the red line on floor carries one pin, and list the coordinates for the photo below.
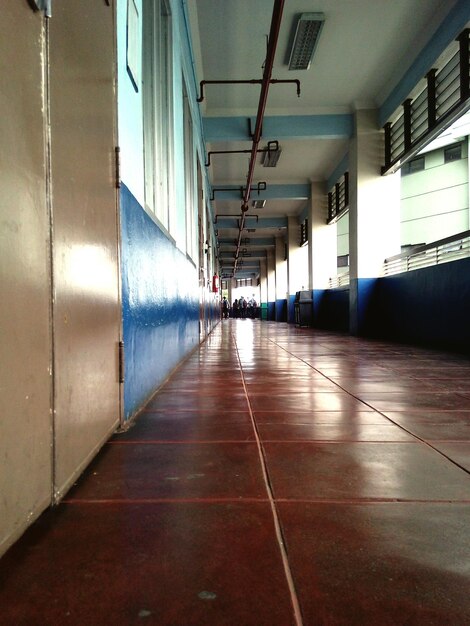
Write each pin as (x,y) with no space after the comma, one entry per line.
(164,500)
(187,441)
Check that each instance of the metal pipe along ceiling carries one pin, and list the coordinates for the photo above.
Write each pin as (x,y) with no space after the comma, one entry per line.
(268,68)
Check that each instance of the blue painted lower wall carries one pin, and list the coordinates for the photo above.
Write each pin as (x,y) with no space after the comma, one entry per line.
(271,311)
(291,309)
(331,309)
(281,310)
(430,306)
(159,301)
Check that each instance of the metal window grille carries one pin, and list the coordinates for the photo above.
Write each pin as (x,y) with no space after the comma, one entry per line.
(304,233)
(442,251)
(446,92)
(338,199)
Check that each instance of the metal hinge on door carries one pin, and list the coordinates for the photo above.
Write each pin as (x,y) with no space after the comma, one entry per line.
(121,361)
(117,156)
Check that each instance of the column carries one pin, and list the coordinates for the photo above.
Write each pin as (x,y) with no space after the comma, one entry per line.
(263,289)
(321,254)
(321,240)
(281,280)
(271,280)
(297,265)
(374,218)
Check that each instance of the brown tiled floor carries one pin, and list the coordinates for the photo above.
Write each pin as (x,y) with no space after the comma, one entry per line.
(278,468)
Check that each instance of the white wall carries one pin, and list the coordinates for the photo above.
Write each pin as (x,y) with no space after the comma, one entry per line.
(434,201)
(342,239)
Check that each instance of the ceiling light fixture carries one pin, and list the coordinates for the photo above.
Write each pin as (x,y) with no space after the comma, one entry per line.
(307,33)
(258,204)
(271,154)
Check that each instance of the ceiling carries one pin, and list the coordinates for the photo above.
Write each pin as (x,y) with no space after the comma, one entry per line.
(364,49)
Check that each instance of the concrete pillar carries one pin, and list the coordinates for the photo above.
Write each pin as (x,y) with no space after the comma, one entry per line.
(263,276)
(374,215)
(297,265)
(271,280)
(468,179)
(281,280)
(321,240)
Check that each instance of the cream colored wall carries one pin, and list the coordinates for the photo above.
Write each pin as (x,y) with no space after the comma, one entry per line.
(60,313)
(25,366)
(85,234)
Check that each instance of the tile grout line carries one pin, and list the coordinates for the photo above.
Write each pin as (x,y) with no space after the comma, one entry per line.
(216,500)
(276,520)
(420,439)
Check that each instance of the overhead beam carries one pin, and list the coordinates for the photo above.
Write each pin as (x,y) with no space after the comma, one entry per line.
(339,126)
(248,241)
(223,255)
(272,192)
(251,222)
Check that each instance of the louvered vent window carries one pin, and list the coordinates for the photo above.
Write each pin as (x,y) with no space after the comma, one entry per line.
(338,199)
(446,93)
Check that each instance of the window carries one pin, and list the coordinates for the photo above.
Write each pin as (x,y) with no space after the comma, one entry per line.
(304,233)
(157,109)
(413,166)
(453,153)
(189,178)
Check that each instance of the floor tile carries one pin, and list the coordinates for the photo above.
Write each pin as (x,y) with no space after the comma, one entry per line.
(408,471)
(199,402)
(171,524)
(173,471)
(306,402)
(164,564)
(387,564)
(457,451)
(285,388)
(190,429)
(414,400)
(207,416)
(426,416)
(347,418)
(450,428)
(333,432)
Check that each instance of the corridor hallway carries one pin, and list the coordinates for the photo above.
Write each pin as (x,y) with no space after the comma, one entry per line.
(281,476)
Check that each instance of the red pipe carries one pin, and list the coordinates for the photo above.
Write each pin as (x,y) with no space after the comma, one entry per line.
(268,69)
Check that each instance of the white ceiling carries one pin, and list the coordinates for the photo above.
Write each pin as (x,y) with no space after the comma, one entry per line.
(364,49)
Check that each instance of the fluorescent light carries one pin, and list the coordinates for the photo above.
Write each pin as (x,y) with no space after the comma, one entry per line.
(271,156)
(306,37)
(258,204)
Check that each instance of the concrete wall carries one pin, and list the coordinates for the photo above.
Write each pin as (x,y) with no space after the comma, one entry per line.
(435,201)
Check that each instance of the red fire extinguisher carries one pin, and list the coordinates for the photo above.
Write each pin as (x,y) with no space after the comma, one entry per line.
(215,284)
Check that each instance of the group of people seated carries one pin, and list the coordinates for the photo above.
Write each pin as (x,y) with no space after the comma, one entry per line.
(241,308)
